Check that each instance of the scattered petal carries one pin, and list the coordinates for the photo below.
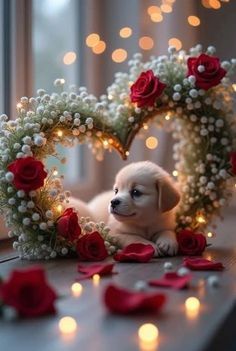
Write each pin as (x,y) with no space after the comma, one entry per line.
(101,269)
(122,301)
(172,280)
(136,252)
(202,264)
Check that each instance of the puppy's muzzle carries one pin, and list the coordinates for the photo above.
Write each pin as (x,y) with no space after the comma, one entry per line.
(114,203)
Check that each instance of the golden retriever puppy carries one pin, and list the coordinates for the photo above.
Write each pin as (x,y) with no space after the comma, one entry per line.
(142,208)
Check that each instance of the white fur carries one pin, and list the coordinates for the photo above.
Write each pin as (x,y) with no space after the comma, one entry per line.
(148,218)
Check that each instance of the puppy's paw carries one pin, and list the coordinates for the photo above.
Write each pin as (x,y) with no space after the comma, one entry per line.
(167,244)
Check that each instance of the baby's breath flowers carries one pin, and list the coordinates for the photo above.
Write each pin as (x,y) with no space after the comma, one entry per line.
(189,94)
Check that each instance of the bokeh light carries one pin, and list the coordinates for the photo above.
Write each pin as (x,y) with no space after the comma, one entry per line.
(99,48)
(166,8)
(156,17)
(92,40)
(153,9)
(119,55)
(69,58)
(125,32)
(67,325)
(176,43)
(151,142)
(146,43)
(194,21)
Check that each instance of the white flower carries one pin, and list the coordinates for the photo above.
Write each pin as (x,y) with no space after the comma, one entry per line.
(35,217)
(191,79)
(22,209)
(16,146)
(26,149)
(219,123)
(76,121)
(176,96)
(193,93)
(11,201)
(224,141)
(20,193)
(26,221)
(178,87)
(39,140)
(30,204)
(64,251)
(9,177)
(49,214)
(82,128)
(201,68)
(43,226)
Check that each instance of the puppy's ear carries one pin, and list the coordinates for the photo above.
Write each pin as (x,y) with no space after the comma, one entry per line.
(168,195)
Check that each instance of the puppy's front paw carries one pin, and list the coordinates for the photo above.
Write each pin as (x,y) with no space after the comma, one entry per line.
(167,244)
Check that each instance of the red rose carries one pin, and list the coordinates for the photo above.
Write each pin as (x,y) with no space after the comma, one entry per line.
(68,226)
(191,243)
(233,162)
(209,74)
(28,173)
(91,247)
(28,292)
(146,89)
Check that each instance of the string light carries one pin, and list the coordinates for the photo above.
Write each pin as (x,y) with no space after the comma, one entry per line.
(175,42)
(67,325)
(194,21)
(210,235)
(59,208)
(96,279)
(55,172)
(92,40)
(126,153)
(69,58)
(146,43)
(234,87)
(59,133)
(99,48)
(125,32)
(206,4)
(201,219)
(119,55)
(175,173)
(151,142)
(76,289)
(167,117)
(145,126)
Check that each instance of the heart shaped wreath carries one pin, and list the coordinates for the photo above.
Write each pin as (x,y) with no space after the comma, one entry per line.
(188,94)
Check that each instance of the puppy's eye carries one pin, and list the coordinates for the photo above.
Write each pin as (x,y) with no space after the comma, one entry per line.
(135,193)
(116,191)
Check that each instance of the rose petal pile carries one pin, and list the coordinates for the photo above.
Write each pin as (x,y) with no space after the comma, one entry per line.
(29,173)
(28,292)
(191,243)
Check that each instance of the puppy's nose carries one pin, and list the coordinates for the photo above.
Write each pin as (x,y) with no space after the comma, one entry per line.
(114,203)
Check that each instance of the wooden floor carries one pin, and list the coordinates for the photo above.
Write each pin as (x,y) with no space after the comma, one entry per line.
(213,329)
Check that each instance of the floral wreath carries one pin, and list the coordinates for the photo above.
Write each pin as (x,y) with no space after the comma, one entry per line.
(189,94)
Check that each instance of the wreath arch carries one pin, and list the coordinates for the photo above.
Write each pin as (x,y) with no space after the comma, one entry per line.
(190,94)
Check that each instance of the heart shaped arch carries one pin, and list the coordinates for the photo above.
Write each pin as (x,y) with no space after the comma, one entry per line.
(189,94)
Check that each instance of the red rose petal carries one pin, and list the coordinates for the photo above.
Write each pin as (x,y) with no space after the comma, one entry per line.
(172,280)
(101,269)
(136,252)
(202,264)
(122,301)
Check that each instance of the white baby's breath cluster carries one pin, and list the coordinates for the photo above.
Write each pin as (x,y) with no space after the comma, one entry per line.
(42,122)
(201,121)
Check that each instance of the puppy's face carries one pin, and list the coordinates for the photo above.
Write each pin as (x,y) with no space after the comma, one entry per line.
(141,190)
(136,196)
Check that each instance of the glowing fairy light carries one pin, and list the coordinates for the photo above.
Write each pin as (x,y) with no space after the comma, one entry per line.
(59,133)
(210,235)
(201,219)
(96,279)
(192,306)
(76,289)
(175,173)
(67,325)
(145,126)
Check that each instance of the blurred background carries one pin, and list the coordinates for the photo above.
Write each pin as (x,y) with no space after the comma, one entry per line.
(86,42)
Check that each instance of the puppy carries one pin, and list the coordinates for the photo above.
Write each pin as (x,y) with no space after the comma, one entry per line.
(142,208)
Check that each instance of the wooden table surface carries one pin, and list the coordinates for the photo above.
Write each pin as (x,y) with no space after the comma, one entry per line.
(212,330)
